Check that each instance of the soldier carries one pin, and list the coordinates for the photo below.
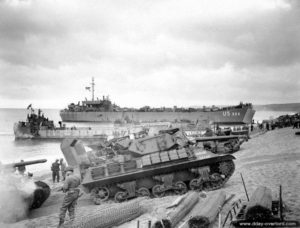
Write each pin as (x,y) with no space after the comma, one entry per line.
(72,191)
(55,170)
(208,132)
(22,168)
(62,169)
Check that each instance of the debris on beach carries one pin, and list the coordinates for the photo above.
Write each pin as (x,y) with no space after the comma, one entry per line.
(110,216)
(261,208)
(206,211)
(175,214)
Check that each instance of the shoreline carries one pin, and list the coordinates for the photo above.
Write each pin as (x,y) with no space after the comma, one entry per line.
(269,158)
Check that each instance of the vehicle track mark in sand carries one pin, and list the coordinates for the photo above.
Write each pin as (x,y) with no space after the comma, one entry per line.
(270,160)
(273,156)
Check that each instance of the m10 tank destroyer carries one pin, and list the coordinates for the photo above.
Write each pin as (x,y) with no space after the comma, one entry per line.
(41,190)
(157,165)
(224,144)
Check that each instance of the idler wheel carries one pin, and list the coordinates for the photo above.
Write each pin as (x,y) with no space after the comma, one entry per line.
(120,197)
(196,184)
(143,192)
(225,168)
(216,177)
(180,188)
(101,193)
(228,148)
(214,182)
(158,190)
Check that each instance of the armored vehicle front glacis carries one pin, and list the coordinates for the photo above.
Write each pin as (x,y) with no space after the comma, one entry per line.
(156,165)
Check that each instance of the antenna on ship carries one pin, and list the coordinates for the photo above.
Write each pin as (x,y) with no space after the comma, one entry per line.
(93,88)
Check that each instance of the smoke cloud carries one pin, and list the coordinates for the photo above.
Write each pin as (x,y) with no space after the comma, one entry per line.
(16,194)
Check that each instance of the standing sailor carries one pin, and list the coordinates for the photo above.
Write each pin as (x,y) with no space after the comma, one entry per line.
(72,191)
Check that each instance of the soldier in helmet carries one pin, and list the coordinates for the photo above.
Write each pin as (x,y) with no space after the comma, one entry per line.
(72,191)
(55,171)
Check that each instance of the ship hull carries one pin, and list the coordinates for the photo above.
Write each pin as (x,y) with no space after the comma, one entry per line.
(236,115)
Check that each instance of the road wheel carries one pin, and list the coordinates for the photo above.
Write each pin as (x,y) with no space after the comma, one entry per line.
(180,188)
(101,193)
(158,191)
(143,192)
(196,184)
(120,197)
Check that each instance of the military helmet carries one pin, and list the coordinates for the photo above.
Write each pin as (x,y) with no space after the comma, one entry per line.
(69,168)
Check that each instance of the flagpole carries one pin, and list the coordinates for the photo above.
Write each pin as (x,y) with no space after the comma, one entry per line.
(93,89)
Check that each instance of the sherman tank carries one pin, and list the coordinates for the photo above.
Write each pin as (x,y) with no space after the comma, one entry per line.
(149,166)
(40,191)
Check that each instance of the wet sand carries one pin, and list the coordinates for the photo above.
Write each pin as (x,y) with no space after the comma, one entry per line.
(270,159)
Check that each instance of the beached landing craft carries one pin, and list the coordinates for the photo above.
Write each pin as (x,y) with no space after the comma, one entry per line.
(149,166)
(37,126)
(104,111)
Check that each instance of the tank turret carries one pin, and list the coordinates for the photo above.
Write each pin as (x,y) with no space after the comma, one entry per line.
(149,166)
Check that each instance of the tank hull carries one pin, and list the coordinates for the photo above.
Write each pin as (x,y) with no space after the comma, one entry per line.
(157,180)
(148,166)
(209,159)
(236,115)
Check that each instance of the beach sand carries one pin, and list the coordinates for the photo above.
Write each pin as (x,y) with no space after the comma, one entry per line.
(270,159)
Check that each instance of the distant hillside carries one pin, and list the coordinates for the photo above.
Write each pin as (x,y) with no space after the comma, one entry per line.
(290,107)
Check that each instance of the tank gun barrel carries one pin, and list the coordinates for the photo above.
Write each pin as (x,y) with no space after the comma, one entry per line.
(216,138)
(24,163)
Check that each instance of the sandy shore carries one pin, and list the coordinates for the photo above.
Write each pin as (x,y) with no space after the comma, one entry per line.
(269,159)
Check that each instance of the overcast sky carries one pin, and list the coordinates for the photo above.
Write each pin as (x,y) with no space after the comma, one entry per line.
(149,52)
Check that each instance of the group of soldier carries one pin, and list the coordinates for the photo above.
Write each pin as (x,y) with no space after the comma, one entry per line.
(281,122)
(58,165)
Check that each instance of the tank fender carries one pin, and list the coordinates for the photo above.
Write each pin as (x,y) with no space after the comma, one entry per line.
(228,157)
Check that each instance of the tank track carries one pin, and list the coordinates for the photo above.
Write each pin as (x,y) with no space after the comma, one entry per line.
(229,173)
(214,181)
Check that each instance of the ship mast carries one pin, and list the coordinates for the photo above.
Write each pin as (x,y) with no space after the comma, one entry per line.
(93,88)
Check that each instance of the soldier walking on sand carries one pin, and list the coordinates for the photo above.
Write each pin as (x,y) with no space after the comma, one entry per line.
(55,171)
(72,191)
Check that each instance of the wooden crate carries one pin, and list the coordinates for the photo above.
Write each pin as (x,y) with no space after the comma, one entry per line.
(98,172)
(182,153)
(146,160)
(129,165)
(164,156)
(155,158)
(173,155)
(113,168)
